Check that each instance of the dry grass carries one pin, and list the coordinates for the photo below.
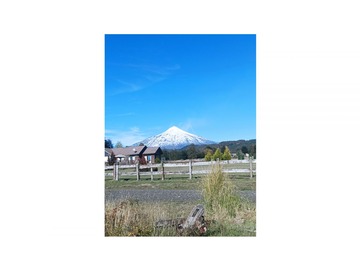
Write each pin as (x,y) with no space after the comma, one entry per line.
(226,214)
(131,218)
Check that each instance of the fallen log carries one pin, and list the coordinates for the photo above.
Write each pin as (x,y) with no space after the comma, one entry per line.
(193,224)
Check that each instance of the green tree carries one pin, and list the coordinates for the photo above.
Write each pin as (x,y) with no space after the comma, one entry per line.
(244,150)
(217,154)
(111,159)
(191,151)
(253,150)
(108,144)
(240,155)
(209,148)
(173,155)
(227,154)
(118,145)
(209,154)
(183,154)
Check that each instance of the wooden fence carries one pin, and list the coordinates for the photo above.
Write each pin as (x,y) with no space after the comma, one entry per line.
(171,168)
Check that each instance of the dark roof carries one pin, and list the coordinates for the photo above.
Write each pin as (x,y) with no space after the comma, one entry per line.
(129,151)
(153,151)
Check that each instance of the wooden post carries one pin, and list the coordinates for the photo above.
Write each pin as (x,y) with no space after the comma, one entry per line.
(151,170)
(137,171)
(190,169)
(116,172)
(162,171)
(195,216)
(251,167)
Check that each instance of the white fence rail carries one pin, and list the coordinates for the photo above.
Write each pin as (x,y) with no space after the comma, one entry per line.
(188,167)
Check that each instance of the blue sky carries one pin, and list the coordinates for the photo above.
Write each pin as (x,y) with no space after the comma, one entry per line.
(204,84)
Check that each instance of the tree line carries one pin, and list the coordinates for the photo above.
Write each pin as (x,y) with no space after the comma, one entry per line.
(221,152)
(208,153)
(109,144)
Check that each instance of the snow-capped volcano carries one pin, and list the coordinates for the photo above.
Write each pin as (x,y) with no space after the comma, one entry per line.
(174,138)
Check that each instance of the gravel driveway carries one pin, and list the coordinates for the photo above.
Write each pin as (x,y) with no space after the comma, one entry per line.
(164,195)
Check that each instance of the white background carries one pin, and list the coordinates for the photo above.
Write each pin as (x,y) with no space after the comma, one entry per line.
(52,116)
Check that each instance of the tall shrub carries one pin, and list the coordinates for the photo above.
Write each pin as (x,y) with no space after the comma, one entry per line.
(218,193)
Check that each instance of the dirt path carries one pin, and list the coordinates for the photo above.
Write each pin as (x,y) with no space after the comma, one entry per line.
(164,195)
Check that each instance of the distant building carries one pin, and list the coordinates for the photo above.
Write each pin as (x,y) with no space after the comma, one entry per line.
(132,154)
(152,153)
(107,154)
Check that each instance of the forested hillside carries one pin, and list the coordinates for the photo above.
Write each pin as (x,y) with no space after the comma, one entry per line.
(240,148)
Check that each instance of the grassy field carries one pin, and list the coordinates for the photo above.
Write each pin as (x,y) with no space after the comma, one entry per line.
(240,182)
(131,218)
(226,213)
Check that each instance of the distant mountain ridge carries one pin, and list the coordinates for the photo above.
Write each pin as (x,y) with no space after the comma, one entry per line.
(234,146)
(174,138)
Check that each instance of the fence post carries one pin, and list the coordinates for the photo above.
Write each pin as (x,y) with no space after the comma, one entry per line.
(151,170)
(162,171)
(137,171)
(190,169)
(116,172)
(251,167)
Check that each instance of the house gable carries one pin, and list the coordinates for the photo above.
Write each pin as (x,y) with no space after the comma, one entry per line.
(153,151)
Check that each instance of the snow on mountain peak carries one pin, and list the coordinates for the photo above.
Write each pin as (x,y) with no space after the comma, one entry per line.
(174,138)
(175,130)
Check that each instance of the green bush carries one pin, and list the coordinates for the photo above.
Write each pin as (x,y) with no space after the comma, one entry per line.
(240,155)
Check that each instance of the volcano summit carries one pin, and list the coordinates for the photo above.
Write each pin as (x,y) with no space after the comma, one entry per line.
(174,138)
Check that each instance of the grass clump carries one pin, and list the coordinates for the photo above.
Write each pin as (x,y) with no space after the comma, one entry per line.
(219,193)
(126,218)
(228,213)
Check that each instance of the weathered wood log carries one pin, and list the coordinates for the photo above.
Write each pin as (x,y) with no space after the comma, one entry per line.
(195,222)
(196,219)
(169,223)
